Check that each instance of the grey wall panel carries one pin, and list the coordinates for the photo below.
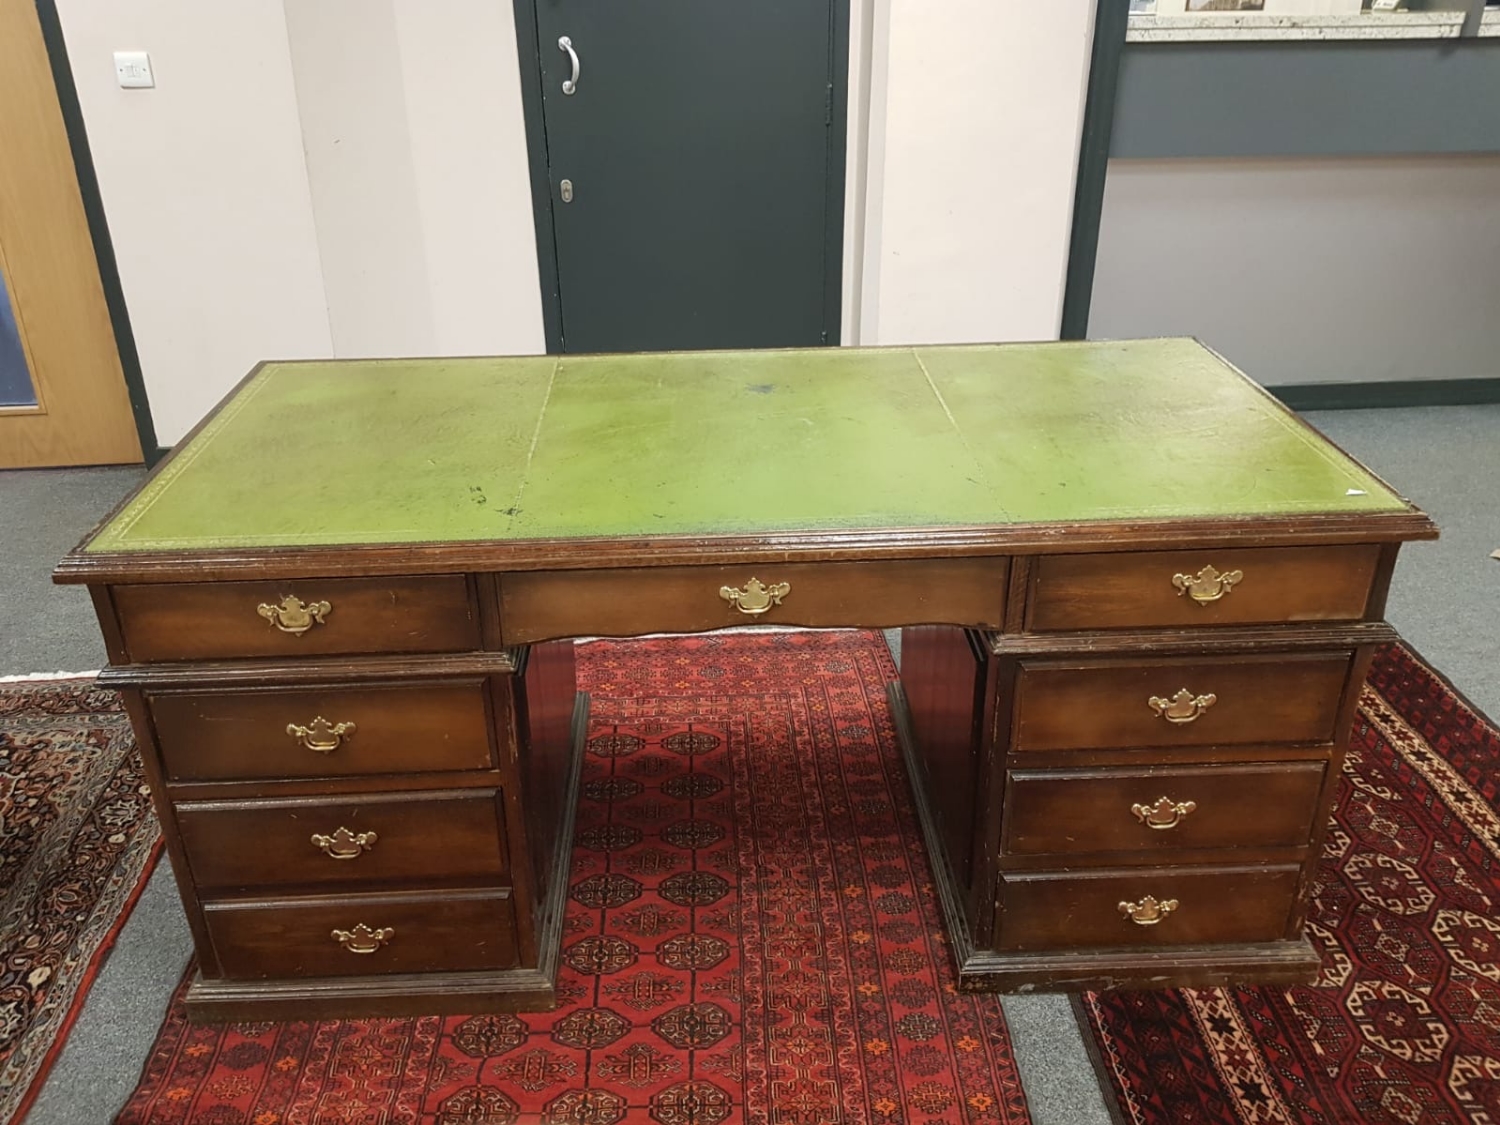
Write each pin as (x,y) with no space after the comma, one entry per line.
(1308,271)
(1308,99)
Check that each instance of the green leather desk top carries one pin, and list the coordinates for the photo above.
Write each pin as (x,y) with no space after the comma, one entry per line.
(631,446)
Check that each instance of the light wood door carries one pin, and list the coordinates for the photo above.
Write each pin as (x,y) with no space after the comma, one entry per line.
(63,399)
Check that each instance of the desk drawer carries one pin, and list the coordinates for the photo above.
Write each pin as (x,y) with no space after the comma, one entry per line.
(1183,701)
(302,617)
(1180,588)
(542,606)
(1157,809)
(336,731)
(363,935)
(442,837)
(1067,910)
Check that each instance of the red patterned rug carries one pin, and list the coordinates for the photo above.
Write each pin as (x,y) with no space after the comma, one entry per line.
(77,842)
(1403,1026)
(752,934)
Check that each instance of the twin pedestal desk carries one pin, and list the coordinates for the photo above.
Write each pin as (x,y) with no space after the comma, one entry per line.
(1137,598)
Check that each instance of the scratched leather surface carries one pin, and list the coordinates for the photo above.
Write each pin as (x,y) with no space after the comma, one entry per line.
(434,450)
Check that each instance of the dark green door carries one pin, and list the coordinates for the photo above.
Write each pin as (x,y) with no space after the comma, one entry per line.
(695,171)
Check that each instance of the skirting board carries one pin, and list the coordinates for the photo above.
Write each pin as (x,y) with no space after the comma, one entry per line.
(1396,393)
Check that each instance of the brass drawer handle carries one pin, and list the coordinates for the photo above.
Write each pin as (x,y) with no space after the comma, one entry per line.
(1208,585)
(756,597)
(294,615)
(320,735)
(1184,707)
(362,939)
(1149,911)
(1166,813)
(344,844)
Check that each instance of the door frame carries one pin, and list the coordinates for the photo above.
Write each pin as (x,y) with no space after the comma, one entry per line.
(98,227)
(528,51)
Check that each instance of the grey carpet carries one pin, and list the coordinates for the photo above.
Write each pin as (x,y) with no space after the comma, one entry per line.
(1445,600)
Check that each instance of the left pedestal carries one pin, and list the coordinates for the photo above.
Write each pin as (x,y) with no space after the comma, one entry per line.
(361,835)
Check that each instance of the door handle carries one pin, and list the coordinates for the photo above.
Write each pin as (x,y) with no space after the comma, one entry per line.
(570,85)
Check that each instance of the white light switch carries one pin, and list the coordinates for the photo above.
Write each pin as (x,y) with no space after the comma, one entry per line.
(133,69)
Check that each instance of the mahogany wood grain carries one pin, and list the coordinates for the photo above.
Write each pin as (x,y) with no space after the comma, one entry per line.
(1068,705)
(1135,589)
(1074,812)
(398,728)
(207,621)
(1072,910)
(536,606)
(283,938)
(437,838)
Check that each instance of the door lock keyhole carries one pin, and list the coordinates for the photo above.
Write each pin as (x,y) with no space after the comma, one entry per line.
(565,189)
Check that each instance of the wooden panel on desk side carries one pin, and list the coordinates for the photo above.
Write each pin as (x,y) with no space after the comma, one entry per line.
(443,837)
(1135,589)
(1076,704)
(221,620)
(945,675)
(544,605)
(545,712)
(398,728)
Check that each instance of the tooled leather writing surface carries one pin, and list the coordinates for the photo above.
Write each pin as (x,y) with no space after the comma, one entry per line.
(464,450)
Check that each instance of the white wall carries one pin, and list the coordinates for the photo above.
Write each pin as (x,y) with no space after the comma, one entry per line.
(973,156)
(205,191)
(416,154)
(349,177)
(1308,271)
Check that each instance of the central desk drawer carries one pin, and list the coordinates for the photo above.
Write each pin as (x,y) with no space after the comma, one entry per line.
(302,617)
(538,606)
(363,935)
(1233,586)
(1181,701)
(453,837)
(323,732)
(1164,906)
(1156,809)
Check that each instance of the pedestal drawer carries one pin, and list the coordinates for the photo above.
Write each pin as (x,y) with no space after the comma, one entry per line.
(437,837)
(301,617)
(1236,586)
(363,935)
(536,606)
(1128,907)
(1184,701)
(1152,810)
(323,732)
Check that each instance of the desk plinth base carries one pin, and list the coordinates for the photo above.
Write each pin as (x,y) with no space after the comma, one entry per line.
(414,994)
(1096,969)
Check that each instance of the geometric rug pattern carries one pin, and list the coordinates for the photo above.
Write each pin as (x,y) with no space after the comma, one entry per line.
(1403,1024)
(752,934)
